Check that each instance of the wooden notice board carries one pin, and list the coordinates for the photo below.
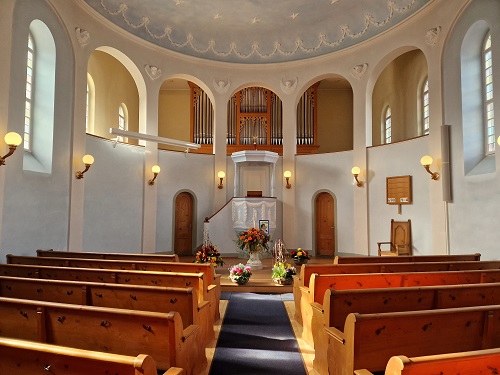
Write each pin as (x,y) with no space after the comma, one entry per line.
(398,190)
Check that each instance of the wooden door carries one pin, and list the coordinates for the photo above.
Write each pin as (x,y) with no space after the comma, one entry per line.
(325,225)
(183,238)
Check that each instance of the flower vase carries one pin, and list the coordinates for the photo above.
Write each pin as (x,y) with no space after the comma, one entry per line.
(254,261)
(283,281)
(241,281)
(299,262)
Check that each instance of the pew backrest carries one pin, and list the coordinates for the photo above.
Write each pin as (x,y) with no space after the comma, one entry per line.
(99,255)
(338,304)
(308,269)
(406,258)
(109,330)
(475,362)
(368,341)
(29,357)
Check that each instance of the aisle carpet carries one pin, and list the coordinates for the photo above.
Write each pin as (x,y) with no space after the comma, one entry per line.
(256,338)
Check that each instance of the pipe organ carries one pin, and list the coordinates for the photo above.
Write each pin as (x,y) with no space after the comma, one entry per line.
(255,120)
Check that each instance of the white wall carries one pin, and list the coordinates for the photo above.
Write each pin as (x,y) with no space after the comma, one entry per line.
(383,164)
(36,208)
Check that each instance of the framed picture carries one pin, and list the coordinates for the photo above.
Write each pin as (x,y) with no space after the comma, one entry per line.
(264,225)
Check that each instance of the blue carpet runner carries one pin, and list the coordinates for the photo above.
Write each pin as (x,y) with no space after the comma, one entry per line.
(256,337)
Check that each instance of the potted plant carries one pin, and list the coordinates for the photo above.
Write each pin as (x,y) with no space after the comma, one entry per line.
(240,274)
(283,273)
(300,256)
(208,253)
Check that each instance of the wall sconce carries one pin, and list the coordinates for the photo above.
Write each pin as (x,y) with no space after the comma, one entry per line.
(88,160)
(355,172)
(426,161)
(155,169)
(13,140)
(287,175)
(221,176)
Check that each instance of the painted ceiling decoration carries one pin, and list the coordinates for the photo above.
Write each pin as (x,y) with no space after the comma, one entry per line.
(256,31)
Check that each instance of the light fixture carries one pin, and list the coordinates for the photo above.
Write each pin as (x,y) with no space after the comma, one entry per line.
(88,160)
(221,176)
(13,140)
(426,161)
(498,140)
(355,172)
(155,169)
(287,175)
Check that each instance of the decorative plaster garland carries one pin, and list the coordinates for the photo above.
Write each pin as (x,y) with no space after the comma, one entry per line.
(233,48)
(239,208)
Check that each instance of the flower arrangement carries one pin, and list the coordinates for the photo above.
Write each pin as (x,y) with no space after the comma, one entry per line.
(240,273)
(283,272)
(253,240)
(299,255)
(208,253)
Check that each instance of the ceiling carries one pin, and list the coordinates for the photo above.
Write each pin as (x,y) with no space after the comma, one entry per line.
(256,31)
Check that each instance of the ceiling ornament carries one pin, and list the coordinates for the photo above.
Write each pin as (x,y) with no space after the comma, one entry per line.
(359,70)
(288,86)
(193,30)
(152,71)
(432,35)
(83,36)
(221,86)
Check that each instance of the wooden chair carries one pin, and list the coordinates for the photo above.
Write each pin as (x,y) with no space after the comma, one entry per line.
(400,243)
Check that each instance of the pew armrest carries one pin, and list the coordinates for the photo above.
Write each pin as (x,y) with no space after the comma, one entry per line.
(335,334)
(317,306)
(175,371)
(362,372)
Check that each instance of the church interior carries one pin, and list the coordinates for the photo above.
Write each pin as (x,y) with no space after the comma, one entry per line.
(140,132)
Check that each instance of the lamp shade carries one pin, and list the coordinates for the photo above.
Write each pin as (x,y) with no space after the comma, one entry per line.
(356,170)
(155,169)
(498,140)
(426,160)
(13,139)
(88,159)
(221,174)
(287,174)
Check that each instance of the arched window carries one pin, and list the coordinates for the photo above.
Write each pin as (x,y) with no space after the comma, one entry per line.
(29,94)
(425,107)
(387,128)
(122,120)
(489,120)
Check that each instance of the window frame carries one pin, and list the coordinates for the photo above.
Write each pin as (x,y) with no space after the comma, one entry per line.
(387,119)
(487,103)
(425,107)
(29,101)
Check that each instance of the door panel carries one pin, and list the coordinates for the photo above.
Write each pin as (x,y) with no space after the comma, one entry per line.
(183,239)
(325,225)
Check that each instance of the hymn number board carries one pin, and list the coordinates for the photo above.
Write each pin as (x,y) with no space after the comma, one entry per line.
(399,190)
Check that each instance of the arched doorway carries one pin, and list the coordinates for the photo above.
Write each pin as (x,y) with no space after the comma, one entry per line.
(325,224)
(183,227)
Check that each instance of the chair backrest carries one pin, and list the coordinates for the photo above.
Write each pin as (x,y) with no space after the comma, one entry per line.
(401,233)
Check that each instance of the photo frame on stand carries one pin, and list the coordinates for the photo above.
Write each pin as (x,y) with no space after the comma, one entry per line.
(264,226)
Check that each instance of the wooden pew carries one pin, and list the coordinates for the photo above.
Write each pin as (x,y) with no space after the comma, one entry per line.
(319,284)
(212,279)
(307,270)
(109,330)
(407,258)
(368,341)
(131,297)
(168,279)
(338,304)
(117,256)
(29,357)
(475,362)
